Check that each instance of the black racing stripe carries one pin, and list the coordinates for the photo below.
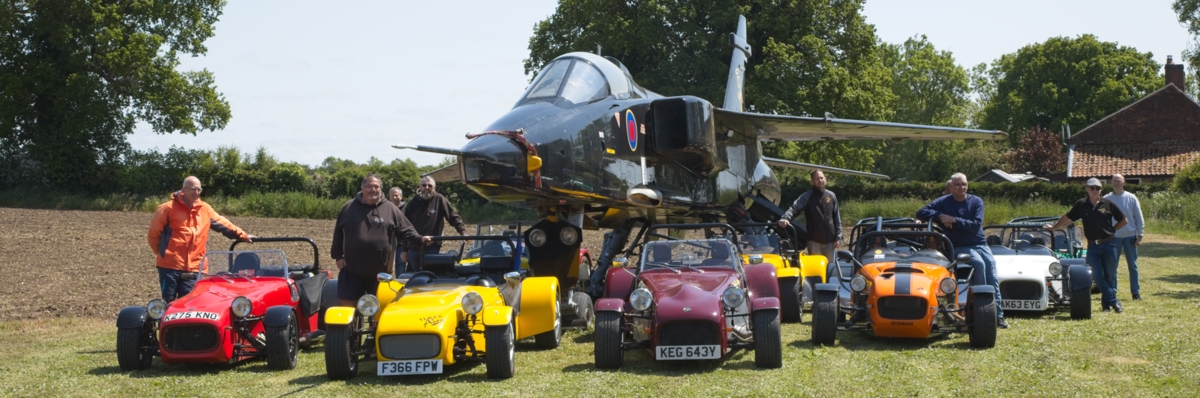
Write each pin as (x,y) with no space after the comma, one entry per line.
(903,279)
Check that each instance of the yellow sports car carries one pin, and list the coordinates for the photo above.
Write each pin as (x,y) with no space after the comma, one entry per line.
(797,273)
(442,315)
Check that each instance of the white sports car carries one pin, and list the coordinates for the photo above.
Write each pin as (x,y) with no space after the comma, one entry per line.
(1036,269)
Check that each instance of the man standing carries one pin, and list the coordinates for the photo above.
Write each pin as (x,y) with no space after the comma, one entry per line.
(178,236)
(821,216)
(961,216)
(1099,216)
(365,238)
(1128,238)
(396,196)
(427,211)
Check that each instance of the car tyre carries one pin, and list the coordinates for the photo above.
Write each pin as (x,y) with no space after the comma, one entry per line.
(551,339)
(768,343)
(499,340)
(133,352)
(983,321)
(609,354)
(341,342)
(328,299)
(824,322)
(790,306)
(283,345)
(1081,304)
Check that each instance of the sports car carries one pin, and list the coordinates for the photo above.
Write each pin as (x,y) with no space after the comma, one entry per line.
(798,273)
(1035,272)
(258,305)
(912,293)
(445,314)
(689,299)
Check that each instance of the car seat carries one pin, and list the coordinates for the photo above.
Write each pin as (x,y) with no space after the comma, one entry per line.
(719,254)
(660,252)
(993,240)
(245,261)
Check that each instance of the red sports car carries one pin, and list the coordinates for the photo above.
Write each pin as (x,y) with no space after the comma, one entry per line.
(256,306)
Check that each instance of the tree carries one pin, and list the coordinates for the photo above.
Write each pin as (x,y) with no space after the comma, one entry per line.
(1065,81)
(1039,152)
(810,57)
(75,76)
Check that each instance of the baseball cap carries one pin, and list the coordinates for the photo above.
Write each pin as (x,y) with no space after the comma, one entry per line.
(1093,182)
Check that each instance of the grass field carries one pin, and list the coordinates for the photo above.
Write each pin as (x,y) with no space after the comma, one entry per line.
(1150,350)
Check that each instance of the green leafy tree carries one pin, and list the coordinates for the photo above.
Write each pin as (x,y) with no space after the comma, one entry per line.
(75,76)
(1074,81)
(1039,152)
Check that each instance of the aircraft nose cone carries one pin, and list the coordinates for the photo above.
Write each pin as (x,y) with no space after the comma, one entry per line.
(494,159)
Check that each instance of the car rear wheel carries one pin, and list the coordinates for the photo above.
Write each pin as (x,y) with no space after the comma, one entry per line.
(768,344)
(1081,304)
(551,339)
(283,345)
(341,343)
(824,322)
(983,321)
(609,354)
(499,340)
(789,300)
(585,311)
(133,350)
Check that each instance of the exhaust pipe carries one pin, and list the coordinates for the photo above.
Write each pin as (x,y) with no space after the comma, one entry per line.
(643,196)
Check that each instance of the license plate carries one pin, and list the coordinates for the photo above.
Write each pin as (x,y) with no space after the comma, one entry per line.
(683,352)
(1018,305)
(212,316)
(419,367)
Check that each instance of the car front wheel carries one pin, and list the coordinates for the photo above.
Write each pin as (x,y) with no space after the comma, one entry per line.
(1081,304)
(341,343)
(133,347)
(609,354)
(499,340)
(768,351)
(283,345)
(983,321)
(824,322)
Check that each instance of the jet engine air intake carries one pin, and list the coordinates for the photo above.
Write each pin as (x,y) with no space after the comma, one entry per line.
(682,129)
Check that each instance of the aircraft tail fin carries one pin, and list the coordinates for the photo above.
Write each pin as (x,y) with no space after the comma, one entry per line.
(737,67)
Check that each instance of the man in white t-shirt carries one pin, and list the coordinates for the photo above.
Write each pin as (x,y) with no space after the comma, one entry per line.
(1128,238)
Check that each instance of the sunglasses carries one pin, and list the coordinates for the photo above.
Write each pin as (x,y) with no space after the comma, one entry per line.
(1093,188)
(197,189)
(426,185)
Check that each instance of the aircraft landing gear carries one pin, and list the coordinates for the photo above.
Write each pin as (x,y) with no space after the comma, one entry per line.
(614,243)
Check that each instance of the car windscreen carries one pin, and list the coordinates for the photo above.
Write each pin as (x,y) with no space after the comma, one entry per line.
(759,244)
(255,263)
(690,253)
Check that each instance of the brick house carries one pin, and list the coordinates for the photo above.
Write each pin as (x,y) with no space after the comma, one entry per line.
(1146,141)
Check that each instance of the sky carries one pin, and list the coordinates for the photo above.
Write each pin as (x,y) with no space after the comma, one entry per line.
(309,80)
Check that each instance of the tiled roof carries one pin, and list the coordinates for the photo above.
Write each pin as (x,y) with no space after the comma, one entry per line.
(1152,159)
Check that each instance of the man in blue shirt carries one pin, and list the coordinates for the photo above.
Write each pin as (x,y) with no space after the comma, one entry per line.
(961,217)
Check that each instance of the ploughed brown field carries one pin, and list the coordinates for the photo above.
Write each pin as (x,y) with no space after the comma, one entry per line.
(93,263)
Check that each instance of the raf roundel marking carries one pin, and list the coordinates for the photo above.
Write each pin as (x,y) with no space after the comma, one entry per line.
(631,130)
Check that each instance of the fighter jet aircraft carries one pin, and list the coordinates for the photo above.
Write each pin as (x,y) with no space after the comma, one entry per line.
(587,147)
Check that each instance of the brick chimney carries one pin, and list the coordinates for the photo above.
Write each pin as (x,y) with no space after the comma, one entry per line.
(1174,73)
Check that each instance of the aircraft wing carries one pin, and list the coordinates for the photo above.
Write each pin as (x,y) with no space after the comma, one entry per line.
(445,174)
(805,128)
(809,166)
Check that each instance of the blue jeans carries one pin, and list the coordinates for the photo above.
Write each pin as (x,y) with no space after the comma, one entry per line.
(1103,260)
(985,270)
(1128,246)
(171,282)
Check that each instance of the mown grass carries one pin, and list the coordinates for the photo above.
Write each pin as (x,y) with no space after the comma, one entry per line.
(1149,350)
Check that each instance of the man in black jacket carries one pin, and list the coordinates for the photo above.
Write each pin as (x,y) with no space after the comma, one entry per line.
(821,215)
(428,210)
(365,236)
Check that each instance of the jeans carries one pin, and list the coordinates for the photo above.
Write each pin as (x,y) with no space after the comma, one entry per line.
(824,249)
(1103,260)
(1128,246)
(985,270)
(171,282)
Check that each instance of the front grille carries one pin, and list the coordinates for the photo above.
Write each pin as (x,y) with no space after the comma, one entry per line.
(1021,290)
(410,346)
(689,333)
(186,338)
(902,307)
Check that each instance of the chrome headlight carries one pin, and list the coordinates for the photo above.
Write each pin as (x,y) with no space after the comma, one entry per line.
(155,308)
(472,303)
(756,259)
(732,297)
(1055,269)
(641,298)
(241,307)
(949,286)
(537,237)
(568,236)
(368,305)
(858,283)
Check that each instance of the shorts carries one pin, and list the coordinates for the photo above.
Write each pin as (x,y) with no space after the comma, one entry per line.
(352,287)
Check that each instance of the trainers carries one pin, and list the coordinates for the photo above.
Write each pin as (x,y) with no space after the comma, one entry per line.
(1117,308)
(1137,296)
(1001,323)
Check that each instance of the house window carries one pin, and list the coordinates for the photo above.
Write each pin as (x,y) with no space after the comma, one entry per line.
(1133,181)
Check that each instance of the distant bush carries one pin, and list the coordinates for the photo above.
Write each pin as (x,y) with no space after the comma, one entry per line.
(1187,180)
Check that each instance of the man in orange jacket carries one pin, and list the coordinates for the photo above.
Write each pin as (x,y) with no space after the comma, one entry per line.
(179,237)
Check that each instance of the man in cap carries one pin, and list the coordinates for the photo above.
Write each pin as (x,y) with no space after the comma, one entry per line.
(1101,220)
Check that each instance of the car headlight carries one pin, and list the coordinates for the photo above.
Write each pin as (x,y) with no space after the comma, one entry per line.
(732,297)
(641,298)
(537,237)
(155,308)
(568,236)
(241,307)
(368,305)
(858,283)
(756,259)
(1055,269)
(949,286)
(472,303)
